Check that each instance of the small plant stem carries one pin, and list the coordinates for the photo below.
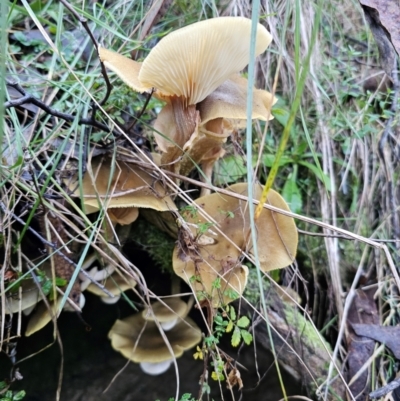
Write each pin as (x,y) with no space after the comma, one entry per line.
(249,144)
(293,112)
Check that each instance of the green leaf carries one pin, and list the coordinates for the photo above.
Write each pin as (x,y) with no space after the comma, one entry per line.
(232,313)
(243,322)
(321,175)
(19,396)
(217,376)
(247,337)
(61,282)
(46,287)
(229,327)
(235,341)
(218,319)
(292,194)
(216,283)
(229,169)
(231,293)
(268,160)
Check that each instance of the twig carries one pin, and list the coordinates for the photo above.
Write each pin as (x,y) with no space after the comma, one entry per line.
(137,117)
(385,389)
(27,98)
(344,236)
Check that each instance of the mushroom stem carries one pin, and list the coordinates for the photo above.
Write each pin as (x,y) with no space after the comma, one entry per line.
(185,118)
(155,369)
(175,285)
(169,325)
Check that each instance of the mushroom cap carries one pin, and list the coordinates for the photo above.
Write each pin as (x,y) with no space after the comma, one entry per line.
(229,101)
(147,345)
(123,215)
(130,188)
(217,256)
(193,61)
(126,68)
(221,263)
(115,284)
(30,297)
(168,310)
(41,317)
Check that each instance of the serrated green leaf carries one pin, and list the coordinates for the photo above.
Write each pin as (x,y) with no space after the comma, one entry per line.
(229,327)
(235,341)
(217,376)
(232,313)
(218,319)
(247,337)
(243,322)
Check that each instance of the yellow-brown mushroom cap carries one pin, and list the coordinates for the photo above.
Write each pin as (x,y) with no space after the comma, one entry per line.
(126,68)
(122,185)
(42,316)
(229,101)
(128,337)
(219,257)
(193,61)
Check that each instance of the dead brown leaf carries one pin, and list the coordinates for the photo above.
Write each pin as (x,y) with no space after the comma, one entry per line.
(234,379)
(360,348)
(386,335)
(383,17)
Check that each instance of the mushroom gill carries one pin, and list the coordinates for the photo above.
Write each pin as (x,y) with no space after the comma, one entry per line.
(195,71)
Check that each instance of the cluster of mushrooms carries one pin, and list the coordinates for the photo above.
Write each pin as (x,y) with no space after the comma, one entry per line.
(195,71)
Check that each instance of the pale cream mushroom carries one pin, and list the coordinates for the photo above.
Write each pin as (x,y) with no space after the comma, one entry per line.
(167,312)
(194,69)
(30,296)
(116,284)
(140,341)
(212,264)
(121,188)
(42,315)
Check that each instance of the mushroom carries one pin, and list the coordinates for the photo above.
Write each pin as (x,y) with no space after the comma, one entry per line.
(30,296)
(211,264)
(115,284)
(42,315)
(195,71)
(121,188)
(140,341)
(167,313)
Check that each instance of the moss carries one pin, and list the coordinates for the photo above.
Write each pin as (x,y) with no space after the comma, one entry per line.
(306,330)
(252,290)
(158,244)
